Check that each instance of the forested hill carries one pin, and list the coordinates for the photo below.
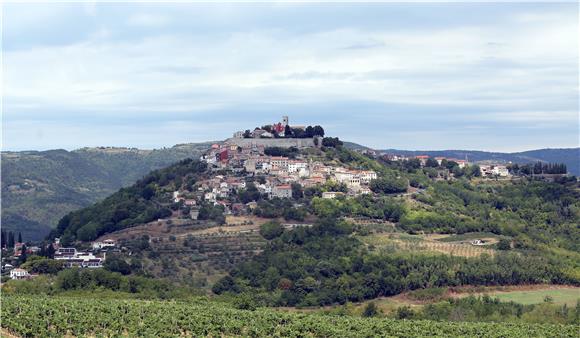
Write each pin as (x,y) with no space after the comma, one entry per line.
(147,200)
(39,187)
(568,156)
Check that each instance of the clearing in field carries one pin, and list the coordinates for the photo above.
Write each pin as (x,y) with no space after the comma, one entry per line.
(393,242)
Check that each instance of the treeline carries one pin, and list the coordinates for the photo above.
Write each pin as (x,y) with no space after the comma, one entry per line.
(324,265)
(143,202)
(290,152)
(307,132)
(538,168)
(432,167)
(90,280)
(477,309)
(289,132)
(9,238)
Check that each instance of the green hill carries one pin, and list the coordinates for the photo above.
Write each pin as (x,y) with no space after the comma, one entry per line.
(329,262)
(39,187)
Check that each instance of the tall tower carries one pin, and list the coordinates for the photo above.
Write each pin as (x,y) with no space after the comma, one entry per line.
(284,121)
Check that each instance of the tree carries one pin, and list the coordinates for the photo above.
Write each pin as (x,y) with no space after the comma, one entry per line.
(405,312)
(88,232)
(147,192)
(332,142)
(245,301)
(66,239)
(251,193)
(457,172)
(297,214)
(297,192)
(388,185)
(50,251)
(37,264)
(271,230)
(432,163)
(247,133)
(225,284)
(370,310)
(23,254)
(473,171)
(504,244)
(19,237)
(287,131)
(318,131)
(10,241)
(115,263)
(450,164)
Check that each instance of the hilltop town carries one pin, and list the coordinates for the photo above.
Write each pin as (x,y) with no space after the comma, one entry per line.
(274,171)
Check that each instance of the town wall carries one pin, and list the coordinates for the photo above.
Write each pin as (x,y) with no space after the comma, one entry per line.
(273,142)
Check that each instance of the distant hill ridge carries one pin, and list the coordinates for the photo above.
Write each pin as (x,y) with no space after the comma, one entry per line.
(39,187)
(568,156)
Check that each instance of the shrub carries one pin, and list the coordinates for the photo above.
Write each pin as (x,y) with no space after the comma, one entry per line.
(271,230)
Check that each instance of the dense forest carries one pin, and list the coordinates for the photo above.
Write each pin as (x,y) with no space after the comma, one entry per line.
(324,265)
(145,201)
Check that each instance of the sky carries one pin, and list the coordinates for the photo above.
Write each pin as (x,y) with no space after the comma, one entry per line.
(478,76)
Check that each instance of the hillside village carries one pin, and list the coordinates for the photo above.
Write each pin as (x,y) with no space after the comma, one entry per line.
(272,162)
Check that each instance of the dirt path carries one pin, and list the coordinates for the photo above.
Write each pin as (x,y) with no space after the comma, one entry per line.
(5,333)
(465,291)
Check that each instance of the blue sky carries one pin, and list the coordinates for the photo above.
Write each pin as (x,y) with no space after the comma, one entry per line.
(485,76)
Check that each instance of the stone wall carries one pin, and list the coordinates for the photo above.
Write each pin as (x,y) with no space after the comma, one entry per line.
(274,142)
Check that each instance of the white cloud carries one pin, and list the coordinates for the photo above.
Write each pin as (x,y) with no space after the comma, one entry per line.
(147,20)
(526,67)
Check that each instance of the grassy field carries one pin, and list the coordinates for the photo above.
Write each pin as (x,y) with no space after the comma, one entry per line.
(469,236)
(559,296)
(396,242)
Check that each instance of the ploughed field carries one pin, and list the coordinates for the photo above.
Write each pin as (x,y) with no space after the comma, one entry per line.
(41,316)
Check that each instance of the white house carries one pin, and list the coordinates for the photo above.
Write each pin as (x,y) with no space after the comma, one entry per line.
(210,196)
(107,243)
(500,170)
(65,253)
(279,161)
(367,175)
(19,274)
(295,166)
(282,191)
(461,163)
(176,196)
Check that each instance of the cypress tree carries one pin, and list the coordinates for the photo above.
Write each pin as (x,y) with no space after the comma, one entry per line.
(10,240)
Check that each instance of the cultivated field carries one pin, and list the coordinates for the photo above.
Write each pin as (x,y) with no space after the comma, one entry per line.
(427,243)
(67,317)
